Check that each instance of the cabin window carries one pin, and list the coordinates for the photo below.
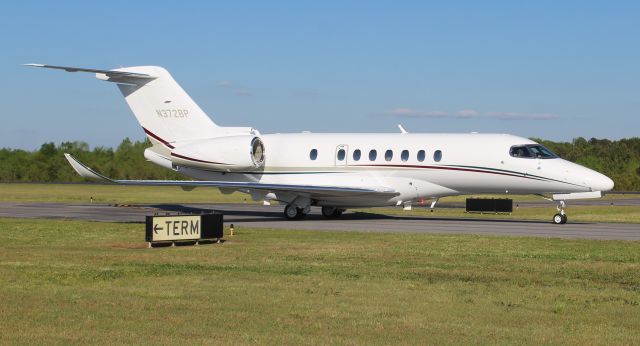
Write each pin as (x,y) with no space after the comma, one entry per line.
(404,156)
(437,156)
(356,155)
(421,155)
(388,155)
(373,154)
(341,155)
(313,154)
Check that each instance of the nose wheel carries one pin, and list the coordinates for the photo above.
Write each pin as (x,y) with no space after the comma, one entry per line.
(561,217)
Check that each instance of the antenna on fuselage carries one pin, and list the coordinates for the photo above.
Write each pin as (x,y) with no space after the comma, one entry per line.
(402,130)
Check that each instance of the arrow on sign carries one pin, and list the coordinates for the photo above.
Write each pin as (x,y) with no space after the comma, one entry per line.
(156,228)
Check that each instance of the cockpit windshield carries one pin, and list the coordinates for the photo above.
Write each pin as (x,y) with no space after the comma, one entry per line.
(531,151)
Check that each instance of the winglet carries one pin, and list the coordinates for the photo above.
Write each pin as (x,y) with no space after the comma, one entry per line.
(85,171)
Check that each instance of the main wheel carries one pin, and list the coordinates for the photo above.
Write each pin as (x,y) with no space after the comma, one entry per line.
(328,211)
(331,212)
(291,212)
(559,219)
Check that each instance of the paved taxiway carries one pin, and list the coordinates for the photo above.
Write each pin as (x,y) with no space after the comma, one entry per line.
(256,215)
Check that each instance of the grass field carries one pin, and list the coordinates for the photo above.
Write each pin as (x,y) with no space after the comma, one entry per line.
(71,282)
(118,194)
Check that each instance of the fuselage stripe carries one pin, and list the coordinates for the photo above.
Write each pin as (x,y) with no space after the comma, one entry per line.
(198,160)
(158,138)
(474,169)
(527,174)
(520,175)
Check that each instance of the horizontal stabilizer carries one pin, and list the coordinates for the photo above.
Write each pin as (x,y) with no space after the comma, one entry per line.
(319,190)
(110,74)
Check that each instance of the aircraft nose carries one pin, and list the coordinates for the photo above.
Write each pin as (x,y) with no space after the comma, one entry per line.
(600,182)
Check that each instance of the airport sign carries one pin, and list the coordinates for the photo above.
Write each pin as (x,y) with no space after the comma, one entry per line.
(171,228)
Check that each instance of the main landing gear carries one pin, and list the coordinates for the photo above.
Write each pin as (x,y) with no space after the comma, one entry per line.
(331,212)
(560,218)
(292,212)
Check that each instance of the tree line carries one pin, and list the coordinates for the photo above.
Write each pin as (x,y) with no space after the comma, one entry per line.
(618,159)
(48,164)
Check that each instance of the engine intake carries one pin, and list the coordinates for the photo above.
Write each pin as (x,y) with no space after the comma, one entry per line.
(257,152)
(233,153)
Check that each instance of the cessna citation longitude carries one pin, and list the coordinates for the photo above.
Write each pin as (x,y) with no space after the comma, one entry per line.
(333,170)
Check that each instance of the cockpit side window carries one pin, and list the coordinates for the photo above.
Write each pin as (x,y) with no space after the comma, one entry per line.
(520,151)
(531,151)
(541,152)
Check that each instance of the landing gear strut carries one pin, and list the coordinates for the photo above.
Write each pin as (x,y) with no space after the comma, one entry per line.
(331,212)
(560,217)
(292,212)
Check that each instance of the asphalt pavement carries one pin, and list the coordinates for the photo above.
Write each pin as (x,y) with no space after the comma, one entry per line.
(256,215)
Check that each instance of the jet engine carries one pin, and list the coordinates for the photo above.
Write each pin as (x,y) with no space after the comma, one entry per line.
(233,153)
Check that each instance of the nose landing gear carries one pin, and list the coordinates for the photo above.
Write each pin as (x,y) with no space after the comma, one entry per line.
(561,217)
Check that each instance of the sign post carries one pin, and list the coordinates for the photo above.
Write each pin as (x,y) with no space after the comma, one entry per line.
(172,228)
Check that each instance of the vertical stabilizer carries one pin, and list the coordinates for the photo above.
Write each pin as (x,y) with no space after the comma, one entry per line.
(165,111)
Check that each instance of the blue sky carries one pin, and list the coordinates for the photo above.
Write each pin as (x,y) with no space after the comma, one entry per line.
(551,69)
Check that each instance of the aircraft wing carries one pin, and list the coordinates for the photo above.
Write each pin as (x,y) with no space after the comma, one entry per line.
(315,190)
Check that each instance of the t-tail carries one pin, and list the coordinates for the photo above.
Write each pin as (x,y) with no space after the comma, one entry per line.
(167,114)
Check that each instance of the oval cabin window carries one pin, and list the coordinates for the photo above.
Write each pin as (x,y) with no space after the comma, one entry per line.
(313,154)
(373,155)
(341,155)
(404,156)
(356,155)
(437,156)
(388,155)
(421,155)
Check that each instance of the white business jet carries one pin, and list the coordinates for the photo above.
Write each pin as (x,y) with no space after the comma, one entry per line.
(333,170)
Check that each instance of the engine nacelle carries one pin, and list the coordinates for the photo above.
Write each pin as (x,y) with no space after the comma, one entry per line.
(233,153)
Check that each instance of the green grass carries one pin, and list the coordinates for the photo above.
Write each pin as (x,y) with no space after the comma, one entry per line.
(82,193)
(71,282)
